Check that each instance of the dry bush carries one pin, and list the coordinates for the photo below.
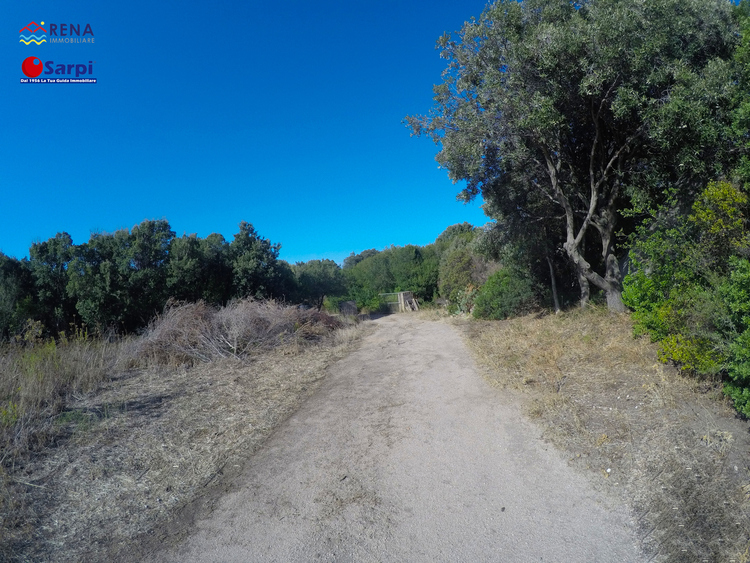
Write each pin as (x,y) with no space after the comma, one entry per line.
(670,445)
(190,332)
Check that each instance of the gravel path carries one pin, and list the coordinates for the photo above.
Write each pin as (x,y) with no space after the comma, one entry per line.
(406,454)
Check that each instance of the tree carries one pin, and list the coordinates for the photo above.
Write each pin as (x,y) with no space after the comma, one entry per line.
(119,280)
(254,264)
(354,259)
(463,230)
(99,281)
(16,294)
(368,278)
(49,268)
(415,269)
(199,269)
(569,112)
(186,269)
(217,269)
(319,279)
(456,269)
(148,250)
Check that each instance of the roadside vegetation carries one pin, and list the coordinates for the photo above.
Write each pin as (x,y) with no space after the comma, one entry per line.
(667,445)
(106,440)
(609,141)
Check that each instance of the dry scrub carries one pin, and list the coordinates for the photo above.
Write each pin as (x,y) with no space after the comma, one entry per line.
(101,467)
(671,446)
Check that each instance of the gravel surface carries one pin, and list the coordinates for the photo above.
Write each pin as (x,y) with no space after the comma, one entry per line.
(406,454)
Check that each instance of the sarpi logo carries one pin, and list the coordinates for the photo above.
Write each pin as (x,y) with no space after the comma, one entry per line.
(33,36)
(49,72)
(58,33)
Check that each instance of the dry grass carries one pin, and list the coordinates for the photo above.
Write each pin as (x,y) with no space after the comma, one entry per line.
(189,332)
(670,445)
(36,378)
(117,458)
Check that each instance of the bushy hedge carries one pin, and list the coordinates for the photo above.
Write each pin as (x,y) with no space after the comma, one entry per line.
(506,293)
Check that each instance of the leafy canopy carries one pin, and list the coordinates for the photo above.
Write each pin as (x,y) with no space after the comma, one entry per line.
(564,114)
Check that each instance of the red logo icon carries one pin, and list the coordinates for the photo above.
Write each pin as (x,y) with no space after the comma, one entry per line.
(32,67)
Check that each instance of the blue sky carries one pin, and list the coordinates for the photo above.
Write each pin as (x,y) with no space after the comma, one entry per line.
(287,115)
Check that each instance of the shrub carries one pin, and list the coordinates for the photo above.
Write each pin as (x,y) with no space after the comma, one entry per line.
(738,372)
(693,354)
(190,332)
(506,293)
(690,289)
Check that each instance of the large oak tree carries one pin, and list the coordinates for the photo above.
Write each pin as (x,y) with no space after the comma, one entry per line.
(563,114)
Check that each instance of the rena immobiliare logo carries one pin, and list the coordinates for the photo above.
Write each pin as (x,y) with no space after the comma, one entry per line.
(35,33)
(75,33)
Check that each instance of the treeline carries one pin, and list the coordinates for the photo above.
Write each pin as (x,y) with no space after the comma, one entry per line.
(467,269)
(121,280)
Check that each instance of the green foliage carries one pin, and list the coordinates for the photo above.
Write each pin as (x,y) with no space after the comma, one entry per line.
(718,217)
(397,268)
(736,292)
(692,354)
(354,259)
(456,268)
(332,305)
(562,114)
(318,279)
(254,263)
(690,289)
(506,293)
(462,231)
(368,278)
(16,295)
(200,269)
(464,300)
(119,280)
(49,267)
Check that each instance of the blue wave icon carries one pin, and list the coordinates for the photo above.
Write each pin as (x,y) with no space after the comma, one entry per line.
(27,39)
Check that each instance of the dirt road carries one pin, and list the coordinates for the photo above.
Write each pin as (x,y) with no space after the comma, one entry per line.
(406,454)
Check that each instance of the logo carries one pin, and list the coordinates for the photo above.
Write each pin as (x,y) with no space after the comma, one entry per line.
(58,33)
(40,71)
(50,72)
(33,36)
(32,67)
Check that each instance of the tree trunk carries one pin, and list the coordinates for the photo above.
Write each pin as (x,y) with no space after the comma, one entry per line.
(612,276)
(554,286)
(585,289)
(611,284)
(613,290)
